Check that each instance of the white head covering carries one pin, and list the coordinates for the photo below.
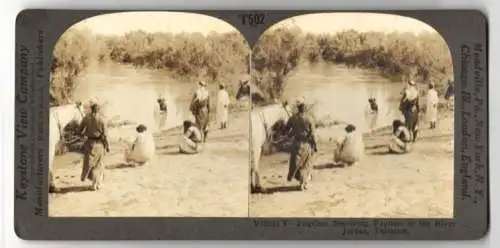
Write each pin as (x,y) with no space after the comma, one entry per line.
(300,99)
(201,93)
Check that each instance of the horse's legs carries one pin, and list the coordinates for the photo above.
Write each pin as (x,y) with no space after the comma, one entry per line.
(52,185)
(255,175)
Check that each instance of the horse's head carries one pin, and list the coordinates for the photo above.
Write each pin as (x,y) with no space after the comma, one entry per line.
(243,89)
(80,112)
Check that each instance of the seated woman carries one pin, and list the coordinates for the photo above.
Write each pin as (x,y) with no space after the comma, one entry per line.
(192,141)
(142,149)
(350,147)
(401,138)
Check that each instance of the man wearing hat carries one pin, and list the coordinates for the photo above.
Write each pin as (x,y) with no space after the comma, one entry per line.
(302,129)
(432,106)
(222,106)
(410,108)
(200,108)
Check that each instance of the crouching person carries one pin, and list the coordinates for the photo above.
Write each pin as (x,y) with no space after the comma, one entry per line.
(142,149)
(401,141)
(192,139)
(350,147)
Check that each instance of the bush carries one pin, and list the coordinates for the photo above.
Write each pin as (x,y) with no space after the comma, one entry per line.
(213,58)
(400,56)
(72,54)
(216,57)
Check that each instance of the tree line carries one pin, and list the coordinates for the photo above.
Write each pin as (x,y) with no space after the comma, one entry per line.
(216,57)
(400,56)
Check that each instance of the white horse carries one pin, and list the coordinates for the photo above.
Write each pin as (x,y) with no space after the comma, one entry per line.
(262,121)
(59,118)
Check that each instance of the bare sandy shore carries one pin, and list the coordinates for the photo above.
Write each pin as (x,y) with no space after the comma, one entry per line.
(415,185)
(213,183)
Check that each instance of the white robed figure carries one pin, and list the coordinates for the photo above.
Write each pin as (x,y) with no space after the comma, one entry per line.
(432,106)
(142,149)
(222,106)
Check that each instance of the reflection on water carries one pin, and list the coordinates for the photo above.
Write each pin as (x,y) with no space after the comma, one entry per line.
(131,93)
(342,94)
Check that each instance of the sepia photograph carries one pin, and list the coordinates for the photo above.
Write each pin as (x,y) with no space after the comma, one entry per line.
(352,117)
(147,118)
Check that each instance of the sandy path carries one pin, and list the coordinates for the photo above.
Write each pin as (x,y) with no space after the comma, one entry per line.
(415,185)
(210,184)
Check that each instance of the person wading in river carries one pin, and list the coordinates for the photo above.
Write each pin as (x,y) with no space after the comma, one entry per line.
(450,95)
(410,108)
(96,145)
(162,112)
(302,129)
(200,108)
(371,114)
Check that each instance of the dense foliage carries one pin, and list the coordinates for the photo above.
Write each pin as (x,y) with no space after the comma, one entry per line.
(72,54)
(219,57)
(216,57)
(424,57)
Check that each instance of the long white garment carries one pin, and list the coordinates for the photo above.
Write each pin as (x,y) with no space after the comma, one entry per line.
(160,117)
(222,106)
(142,149)
(432,105)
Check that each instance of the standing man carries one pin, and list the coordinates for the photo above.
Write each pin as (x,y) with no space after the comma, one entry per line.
(222,106)
(410,108)
(94,129)
(432,106)
(200,108)
(304,146)
(371,114)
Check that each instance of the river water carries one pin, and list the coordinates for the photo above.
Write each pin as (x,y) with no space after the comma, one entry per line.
(339,93)
(342,94)
(131,93)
